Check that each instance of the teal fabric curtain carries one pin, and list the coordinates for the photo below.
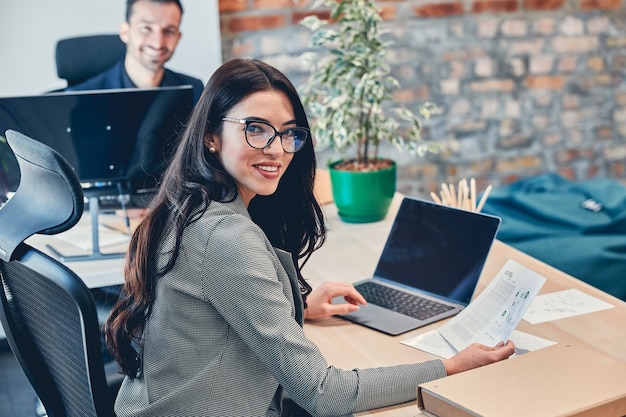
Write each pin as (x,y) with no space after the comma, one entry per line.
(578,227)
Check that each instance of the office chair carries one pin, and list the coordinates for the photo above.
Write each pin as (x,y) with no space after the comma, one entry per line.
(47,312)
(80,58)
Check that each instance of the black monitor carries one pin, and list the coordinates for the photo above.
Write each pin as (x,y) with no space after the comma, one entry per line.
(110,137)
(118,141)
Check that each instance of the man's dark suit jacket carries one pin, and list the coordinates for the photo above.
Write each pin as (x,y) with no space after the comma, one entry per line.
(116,77)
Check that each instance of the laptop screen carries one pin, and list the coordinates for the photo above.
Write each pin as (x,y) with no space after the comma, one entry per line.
(437,249)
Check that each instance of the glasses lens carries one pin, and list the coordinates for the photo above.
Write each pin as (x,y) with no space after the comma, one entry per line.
(258,134)
(294,139)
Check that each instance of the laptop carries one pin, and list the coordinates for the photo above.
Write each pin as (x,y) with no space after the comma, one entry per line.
(428,269)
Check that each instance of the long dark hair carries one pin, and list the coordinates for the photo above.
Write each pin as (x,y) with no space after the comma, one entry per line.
(291,217)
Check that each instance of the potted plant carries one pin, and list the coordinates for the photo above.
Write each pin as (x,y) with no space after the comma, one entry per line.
(347,96)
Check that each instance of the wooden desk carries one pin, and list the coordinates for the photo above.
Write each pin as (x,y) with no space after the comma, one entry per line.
(351,253)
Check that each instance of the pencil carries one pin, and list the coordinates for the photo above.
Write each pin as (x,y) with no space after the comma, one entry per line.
(483,199)
(445,194)
(473,194)
(435,198)
(452,195)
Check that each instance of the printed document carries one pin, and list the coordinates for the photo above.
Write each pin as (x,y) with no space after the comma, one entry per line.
(493,315)
(432,342)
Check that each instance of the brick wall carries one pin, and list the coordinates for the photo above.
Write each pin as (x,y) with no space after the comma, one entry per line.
(526,86)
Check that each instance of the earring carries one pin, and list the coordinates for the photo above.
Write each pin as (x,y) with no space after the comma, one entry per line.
(212,149)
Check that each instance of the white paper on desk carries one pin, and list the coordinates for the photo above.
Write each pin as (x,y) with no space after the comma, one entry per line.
(434,343)
(81,237)
(562,304)
(494,314)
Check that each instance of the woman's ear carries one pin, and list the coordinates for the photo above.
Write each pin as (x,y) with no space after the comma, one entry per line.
(211,143)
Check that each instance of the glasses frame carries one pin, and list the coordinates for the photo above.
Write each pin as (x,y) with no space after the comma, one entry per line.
(280,134)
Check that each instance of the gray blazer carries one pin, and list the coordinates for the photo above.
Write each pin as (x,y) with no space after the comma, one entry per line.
(225,336)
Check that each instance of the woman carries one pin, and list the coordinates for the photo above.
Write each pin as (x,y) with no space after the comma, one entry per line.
(210,323)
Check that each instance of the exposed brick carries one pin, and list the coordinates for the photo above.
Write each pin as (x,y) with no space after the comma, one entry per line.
(571,101)
(614,42)
(512,108)
(617,170)
(567,63)
(470,127)
(440,9)
(388,12)
(572,26)
(514,27)
(600,80)
(541,64)
(449,87)
(460,107)
(508,126)
(543,4)
(596,64)
(545,82)
(279,4)
(226,6)
(544,26)
(413,94)
(599,24)
(490,109)
(570,155)
(494,6)
(519,163)
(487,27)
(502,85)
(525,47)
(483,166)
(243,48)
(515,142)
(619,63)
(517,66)
(253,23)
(484,67)
(578,44)
(600,4)
(542,98)
(552,139)
(619,115)
(570,119)
(457,69)
(463,54)
(567,172)
(603,132)
(541,122)
(457,29)
(614,153)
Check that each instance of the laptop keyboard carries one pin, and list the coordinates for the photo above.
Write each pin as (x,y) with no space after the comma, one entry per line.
(399,301)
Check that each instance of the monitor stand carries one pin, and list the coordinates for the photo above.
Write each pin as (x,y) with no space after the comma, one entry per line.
(95,240)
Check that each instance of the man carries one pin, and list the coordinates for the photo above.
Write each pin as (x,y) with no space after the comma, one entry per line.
(151,33)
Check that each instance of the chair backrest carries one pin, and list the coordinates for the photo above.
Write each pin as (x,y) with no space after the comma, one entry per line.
(80,58)
(47,312)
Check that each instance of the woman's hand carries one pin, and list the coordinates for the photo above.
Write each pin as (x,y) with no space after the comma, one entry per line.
(320,300)
(477,355)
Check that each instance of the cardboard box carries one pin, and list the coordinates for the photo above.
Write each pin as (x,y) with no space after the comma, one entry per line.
(590,384)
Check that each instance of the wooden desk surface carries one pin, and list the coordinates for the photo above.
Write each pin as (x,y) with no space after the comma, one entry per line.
(351,253)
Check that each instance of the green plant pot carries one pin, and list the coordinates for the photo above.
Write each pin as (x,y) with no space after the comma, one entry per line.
(363,197)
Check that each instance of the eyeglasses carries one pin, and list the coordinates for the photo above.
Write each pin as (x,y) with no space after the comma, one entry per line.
(260,135)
